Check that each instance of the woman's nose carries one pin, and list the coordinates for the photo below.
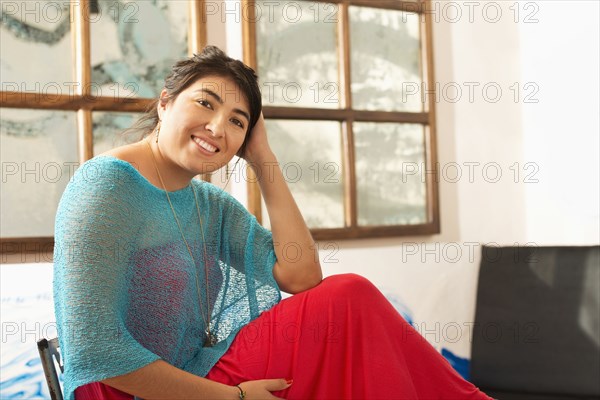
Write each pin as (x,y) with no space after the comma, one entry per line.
(216,126)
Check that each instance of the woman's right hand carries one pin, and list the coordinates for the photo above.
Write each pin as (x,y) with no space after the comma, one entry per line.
(261,389)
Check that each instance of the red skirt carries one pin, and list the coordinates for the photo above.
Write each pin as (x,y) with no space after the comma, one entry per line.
(339,340)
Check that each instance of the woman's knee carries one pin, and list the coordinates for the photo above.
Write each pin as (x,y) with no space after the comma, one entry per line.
(349,284)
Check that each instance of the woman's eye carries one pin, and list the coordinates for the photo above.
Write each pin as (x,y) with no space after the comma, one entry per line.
(238,123)
(205,103)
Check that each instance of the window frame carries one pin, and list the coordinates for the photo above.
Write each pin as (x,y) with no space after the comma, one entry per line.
(347,116)
(84,104)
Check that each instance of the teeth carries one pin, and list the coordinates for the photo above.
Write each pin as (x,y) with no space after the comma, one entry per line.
(205,145)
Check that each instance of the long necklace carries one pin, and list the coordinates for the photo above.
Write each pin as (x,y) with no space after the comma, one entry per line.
(211,338)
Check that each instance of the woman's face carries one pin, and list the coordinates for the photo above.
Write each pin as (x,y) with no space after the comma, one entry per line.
(205,126)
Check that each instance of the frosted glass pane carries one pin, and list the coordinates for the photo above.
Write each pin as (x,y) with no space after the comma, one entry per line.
(297,53)
(135,43)
(32,35)
(109,127)
(310,157)
(391,191)
(39,156)
(385,60)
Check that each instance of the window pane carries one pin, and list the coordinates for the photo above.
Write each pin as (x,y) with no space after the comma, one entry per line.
(310,157)
(39,156)
(297,53)
(385,60)
(134,44)
(109,127)
(33,34)
(389,158)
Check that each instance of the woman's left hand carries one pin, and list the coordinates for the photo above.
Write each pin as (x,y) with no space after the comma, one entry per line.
(258,145)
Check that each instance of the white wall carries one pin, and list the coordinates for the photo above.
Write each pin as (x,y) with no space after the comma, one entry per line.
(560,54)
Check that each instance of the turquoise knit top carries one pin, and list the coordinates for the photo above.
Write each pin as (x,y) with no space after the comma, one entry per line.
(125,288)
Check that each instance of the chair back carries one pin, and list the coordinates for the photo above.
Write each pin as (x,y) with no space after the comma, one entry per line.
(48,350)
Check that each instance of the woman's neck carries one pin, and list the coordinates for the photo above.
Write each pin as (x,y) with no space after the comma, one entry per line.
(173,177)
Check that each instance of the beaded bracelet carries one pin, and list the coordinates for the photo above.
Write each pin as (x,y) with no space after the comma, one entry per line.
(242,393)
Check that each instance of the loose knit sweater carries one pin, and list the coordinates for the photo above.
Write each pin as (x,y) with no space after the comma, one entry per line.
(125,287)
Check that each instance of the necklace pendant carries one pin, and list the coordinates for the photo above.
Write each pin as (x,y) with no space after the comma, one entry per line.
(211,339)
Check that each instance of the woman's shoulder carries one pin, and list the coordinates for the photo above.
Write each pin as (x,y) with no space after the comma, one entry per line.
(129,153)
(106,178)
(102,185)
(103,170)
(116,167)
(104,191)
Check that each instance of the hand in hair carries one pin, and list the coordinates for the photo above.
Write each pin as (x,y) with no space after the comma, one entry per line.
(258,147)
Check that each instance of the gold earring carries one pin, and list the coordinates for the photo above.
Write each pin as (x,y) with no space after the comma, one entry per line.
(157,130)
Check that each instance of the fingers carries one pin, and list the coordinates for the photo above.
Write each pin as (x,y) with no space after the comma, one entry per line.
(262,388)
(272,385)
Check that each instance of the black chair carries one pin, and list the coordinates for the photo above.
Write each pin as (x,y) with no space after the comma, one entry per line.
(48,350)
(537,325)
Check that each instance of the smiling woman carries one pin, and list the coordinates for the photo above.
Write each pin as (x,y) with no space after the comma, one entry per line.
(201,129)
(166,287)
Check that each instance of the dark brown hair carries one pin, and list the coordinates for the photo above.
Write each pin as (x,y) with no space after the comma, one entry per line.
(212,61)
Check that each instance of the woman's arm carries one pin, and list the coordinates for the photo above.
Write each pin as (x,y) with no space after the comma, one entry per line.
(161,380)
(297,267)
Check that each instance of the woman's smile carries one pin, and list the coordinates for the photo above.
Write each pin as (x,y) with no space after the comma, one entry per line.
(204,146)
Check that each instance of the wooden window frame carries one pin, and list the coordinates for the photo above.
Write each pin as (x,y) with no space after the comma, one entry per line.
(347,116)
(84,104)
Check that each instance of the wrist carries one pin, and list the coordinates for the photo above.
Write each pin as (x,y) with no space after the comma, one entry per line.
(240,394)
(261,157)
(262,163)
